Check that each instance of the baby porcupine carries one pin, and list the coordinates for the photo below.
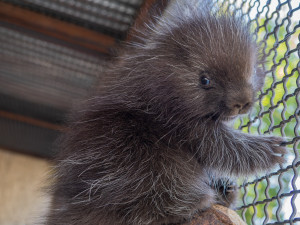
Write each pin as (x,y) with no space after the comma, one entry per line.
(152,143)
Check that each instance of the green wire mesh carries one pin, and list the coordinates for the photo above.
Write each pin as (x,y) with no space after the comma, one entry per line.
(274,198)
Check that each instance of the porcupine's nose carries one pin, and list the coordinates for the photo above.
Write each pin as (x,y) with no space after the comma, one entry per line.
(240,102)
(242,107)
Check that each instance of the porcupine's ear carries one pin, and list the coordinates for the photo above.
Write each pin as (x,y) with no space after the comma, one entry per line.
(146,20)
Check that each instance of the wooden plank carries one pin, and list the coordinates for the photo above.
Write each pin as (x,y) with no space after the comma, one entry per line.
(30,120)
(55,28)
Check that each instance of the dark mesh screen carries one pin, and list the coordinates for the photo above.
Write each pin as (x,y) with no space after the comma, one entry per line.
(113,17)
(44,72)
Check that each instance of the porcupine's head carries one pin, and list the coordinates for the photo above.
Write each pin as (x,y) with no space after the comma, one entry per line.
(209,57)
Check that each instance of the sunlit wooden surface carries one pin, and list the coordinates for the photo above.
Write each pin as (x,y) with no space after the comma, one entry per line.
(21,179)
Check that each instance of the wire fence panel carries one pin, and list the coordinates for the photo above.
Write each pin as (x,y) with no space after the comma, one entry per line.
(274,198)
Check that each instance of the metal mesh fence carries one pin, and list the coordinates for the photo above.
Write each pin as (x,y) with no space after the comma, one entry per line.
(274,198)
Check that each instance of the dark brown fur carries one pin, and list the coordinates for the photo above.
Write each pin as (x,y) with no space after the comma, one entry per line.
(151,146)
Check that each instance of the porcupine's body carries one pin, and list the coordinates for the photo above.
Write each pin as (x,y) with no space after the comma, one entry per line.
(145,148)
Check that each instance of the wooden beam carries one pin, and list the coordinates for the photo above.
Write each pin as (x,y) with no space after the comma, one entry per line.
(55,28)
(30,120)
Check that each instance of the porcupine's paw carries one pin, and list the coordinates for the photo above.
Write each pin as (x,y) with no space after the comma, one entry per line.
(274,150)
(264,153)
(226,192)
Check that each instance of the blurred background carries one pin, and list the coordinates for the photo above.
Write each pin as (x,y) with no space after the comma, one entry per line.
(52,52)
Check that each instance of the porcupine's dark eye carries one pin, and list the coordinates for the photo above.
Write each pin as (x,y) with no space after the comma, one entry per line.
(204,81)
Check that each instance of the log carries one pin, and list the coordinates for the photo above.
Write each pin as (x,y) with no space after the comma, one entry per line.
(217,215)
